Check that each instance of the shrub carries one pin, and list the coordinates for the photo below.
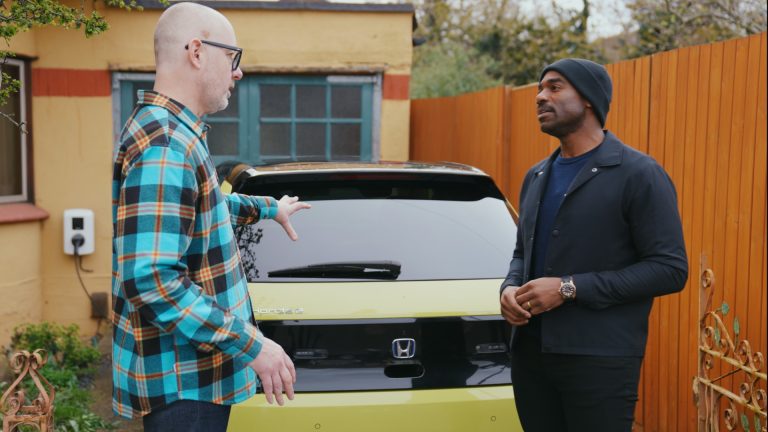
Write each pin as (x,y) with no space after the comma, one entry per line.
(63,344)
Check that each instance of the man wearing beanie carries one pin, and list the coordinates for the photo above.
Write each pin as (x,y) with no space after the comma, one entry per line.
(599,236)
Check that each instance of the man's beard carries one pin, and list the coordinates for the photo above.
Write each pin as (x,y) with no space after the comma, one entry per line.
(214,103)
(565,128)
(223,103)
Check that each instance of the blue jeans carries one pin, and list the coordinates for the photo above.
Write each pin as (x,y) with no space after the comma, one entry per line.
(188,416)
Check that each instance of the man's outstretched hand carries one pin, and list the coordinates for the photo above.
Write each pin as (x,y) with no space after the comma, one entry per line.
(287,206)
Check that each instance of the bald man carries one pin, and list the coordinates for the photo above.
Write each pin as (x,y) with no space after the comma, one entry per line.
(185,345)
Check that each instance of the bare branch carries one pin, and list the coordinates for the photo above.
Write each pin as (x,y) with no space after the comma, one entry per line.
(21,125)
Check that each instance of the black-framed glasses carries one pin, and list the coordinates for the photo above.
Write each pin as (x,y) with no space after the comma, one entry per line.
(238,51)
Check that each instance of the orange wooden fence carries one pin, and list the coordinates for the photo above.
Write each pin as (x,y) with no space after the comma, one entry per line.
(701,113)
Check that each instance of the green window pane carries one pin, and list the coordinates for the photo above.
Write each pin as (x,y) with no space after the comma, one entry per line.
(275,100)
(222,139)
(310,101)
(275,139)
(310,141)
(345,141)
(346,102)
(293,117)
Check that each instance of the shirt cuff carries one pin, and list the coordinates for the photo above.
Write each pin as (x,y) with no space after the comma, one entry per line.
(252,344)
(504,286)
(269,209)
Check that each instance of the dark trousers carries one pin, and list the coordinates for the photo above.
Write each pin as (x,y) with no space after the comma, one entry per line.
(573,393)
(188,416)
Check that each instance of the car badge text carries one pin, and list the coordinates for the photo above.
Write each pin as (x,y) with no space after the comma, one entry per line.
(278,310)
(403,348)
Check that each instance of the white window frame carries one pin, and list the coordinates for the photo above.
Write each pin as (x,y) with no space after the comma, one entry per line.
(24,196)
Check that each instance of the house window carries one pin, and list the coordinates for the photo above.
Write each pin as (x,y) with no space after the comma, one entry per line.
(13,139)
(311,118)
(285,118)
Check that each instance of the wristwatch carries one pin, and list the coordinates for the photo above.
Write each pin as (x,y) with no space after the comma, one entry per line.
(567,288)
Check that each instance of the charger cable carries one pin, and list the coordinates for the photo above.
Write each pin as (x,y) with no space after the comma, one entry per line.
(77,241)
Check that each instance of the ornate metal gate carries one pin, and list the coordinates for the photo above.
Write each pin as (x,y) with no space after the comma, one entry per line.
(16,411)
(742,409)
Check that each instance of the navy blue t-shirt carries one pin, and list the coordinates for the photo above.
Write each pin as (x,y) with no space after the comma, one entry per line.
(563,171)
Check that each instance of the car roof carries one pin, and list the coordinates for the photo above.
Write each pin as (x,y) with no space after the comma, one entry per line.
(379,167)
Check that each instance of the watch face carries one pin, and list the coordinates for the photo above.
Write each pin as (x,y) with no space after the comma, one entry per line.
(567,290)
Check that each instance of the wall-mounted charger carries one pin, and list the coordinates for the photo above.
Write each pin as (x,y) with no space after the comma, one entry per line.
(79,240)
(78,231)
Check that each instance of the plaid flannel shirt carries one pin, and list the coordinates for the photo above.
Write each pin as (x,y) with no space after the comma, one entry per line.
(182,317)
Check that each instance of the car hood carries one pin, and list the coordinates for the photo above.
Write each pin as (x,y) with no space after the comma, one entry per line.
(356,300)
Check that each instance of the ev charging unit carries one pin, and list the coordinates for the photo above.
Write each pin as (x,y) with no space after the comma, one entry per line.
(78,232)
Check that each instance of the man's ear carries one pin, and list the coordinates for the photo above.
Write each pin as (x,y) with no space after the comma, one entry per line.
(193,52)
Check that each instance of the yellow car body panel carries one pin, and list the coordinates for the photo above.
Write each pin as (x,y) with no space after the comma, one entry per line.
(225,187)
(471,409)
(477,409)
(355,300)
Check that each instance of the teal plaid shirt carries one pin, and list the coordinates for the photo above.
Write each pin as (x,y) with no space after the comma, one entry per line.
(182,317)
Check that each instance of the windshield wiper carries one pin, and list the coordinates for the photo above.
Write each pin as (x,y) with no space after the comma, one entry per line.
(380,270)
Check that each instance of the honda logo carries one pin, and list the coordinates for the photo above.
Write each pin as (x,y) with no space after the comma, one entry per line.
(404,348)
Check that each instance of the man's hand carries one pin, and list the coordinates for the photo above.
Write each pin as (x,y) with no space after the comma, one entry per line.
(540,295)
(285,208)
(275,370)
(511,310)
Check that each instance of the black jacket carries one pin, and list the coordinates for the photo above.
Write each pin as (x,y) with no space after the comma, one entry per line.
(618,233)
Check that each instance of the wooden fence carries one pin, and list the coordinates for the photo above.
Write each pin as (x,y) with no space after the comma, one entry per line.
(701,113)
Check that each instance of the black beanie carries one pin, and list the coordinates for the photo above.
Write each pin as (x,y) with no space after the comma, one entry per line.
(590,79)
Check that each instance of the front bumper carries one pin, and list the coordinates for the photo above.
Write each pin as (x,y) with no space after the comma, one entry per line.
(476,409)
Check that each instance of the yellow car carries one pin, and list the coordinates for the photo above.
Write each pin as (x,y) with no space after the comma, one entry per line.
(388,302)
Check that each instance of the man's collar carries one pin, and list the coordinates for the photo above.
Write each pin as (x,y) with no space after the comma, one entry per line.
(184,114)
(608,153)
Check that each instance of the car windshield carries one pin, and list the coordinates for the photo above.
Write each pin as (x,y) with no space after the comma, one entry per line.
(433,230)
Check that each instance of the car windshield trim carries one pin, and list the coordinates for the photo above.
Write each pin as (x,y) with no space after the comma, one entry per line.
(379,270)
(401,186)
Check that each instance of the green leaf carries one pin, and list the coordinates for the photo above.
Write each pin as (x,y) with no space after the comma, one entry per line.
(745,421)
(736,326)
(725,308)
(717,336)
(758,427)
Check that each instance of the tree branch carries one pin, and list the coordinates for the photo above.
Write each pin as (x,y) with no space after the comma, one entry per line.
(20,125)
